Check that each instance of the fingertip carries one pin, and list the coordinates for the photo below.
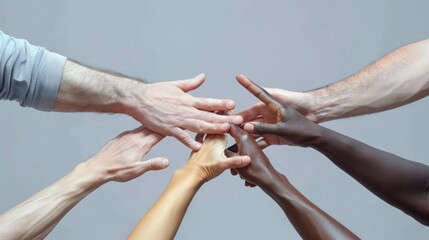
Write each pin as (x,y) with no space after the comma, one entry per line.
(196,146)
(158,163)
(230,104)
(200,76)
(165,163)
(245,160)
(237,119)
(249,127)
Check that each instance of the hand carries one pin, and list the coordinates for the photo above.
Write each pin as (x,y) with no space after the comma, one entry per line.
(120,159)
(166,108)
(290,126)
(210,161)
(260,170)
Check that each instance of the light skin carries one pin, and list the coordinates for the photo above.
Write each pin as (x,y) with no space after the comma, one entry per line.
(164,107)
(119,160)
(399,78)
(398,181)
(309,220)
(163,219)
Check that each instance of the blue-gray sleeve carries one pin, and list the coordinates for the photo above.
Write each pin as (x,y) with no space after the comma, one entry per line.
(29,74)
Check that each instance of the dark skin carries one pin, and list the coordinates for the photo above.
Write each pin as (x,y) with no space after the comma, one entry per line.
(401,183)
(309,220)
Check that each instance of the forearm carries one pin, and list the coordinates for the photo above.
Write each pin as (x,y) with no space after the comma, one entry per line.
(398,78)
(163,219)
(85,89)
(400,182)
(309,220)
(36,217)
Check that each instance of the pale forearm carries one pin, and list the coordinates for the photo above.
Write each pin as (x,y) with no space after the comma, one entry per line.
(398,78)
(163,219)
(35,218)
(84,89)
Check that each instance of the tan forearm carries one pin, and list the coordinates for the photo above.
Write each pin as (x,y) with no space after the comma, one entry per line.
(163,219)
(35,217)
(398,78)
(84,89)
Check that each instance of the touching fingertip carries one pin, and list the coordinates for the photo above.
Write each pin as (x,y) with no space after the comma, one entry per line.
(237,119)
(197,146)
(250,128)
(246,160)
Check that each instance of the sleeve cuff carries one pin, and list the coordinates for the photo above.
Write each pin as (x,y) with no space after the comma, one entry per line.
(54,67)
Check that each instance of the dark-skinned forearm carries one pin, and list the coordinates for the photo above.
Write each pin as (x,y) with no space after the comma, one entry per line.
(309,220)
(400,182)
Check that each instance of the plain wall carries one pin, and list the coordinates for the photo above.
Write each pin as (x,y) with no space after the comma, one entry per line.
(294,45)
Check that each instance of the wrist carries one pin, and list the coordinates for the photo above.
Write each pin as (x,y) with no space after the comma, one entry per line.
(275,185)
(129,93)
(189,175)
(90,177)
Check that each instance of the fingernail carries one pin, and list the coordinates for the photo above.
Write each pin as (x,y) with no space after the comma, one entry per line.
(198,145)
(237,120)
(230,104)
(165,162)
(249,128)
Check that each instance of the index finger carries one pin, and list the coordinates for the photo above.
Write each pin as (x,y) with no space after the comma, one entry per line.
(258,92)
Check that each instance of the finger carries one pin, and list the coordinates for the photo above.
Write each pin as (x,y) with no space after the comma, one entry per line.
(216,118)
(212,104)
(252,185)
(251,113)
(233,172)
(199,137)
(189,84)
(247,184)
(154,164)
(261,128)
(235,162)
(200,126)
(263,144)
(236,132)
(259,92)
(148,139)
(185,138)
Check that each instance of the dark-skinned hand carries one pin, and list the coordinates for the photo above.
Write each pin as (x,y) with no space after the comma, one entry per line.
(289,126)
(260,168)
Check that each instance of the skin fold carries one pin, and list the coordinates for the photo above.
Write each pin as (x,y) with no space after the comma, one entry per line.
(396,79)
(163,219)
(309,220)
(401,183)
(119,160)
(164,107)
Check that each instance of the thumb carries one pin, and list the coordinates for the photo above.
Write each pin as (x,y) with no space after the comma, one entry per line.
(190,84)
(154,164)
(261,128)
(235,162)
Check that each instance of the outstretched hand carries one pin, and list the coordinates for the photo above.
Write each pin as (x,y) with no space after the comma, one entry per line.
(168,109)
(285,125)
(120,159)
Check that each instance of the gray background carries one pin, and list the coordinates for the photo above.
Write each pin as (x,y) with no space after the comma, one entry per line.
(295,45)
